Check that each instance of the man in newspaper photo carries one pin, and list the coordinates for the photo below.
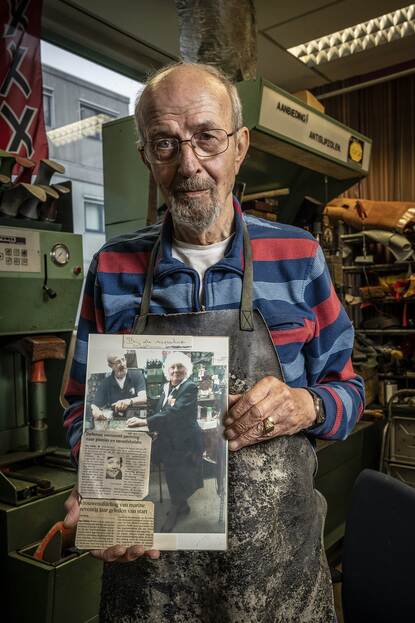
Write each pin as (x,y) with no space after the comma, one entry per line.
(209,270)
(179,444)
(121,390)
(113,468)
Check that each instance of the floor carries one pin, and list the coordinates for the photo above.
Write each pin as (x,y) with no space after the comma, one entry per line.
(204,503)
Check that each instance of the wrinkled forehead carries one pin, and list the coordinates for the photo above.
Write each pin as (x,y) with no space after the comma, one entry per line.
(186,93)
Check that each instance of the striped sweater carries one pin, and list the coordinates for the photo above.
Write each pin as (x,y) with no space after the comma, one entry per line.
(292,289)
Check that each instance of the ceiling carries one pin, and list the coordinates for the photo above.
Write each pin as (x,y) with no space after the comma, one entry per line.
(144,33)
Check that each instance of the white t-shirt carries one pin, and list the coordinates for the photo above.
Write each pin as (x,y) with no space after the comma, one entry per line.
(121,382)
(199,256)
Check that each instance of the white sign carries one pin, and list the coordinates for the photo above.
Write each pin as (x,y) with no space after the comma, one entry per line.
(290,119)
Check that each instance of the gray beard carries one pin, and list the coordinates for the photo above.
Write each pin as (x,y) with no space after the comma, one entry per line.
(195,212)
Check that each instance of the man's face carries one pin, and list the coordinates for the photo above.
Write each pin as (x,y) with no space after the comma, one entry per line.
(113,466)
(197,190)
(119,366)
(177,373)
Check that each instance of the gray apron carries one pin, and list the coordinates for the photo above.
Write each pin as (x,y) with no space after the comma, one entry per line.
(275,569)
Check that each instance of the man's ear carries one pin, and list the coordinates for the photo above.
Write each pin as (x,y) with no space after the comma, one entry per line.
(242,144)
(143,156)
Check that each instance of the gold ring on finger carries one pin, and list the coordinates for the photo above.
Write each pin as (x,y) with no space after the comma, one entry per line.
(268,425)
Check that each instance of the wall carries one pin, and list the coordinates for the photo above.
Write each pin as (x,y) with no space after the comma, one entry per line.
(386,113)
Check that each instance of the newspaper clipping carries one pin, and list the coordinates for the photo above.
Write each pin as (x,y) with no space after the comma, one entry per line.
(153,461)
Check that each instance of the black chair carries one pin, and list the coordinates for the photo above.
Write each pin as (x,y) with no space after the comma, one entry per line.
(379,551)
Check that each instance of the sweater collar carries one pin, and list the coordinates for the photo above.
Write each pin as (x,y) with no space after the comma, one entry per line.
(233,259)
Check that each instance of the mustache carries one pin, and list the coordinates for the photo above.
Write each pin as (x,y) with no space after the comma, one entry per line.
(192,183)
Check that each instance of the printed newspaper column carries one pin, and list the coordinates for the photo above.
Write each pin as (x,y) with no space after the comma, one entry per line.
(113,480)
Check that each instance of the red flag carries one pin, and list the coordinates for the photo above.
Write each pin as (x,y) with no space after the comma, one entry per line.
(22,126)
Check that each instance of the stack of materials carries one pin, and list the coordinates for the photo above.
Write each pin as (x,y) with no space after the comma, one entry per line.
(262,209)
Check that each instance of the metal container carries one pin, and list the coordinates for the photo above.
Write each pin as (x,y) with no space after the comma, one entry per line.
(404,473)
(402,440)
(386,391)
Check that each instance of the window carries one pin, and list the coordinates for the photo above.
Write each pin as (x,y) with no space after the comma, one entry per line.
(98,116)
(48,106)
(94,216)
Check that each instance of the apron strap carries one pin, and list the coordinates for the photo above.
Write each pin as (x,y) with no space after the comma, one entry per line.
(246,319)
(141,320)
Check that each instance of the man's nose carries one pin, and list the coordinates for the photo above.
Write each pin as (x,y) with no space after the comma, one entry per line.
(189,164)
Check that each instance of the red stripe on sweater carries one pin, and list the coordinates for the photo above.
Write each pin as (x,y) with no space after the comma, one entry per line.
(339,412)
(327,311)
(73,415)
(87,309)
(361,404)
(298,334)
(118,262)
(268,249)
(344,375)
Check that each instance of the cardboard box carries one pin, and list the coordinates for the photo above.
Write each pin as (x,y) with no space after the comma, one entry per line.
(310,99)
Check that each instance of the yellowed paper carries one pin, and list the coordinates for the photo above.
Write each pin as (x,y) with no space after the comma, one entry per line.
(114,465)
(104,523)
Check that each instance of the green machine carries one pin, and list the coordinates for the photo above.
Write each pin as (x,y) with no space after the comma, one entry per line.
(295,151)
(40,281)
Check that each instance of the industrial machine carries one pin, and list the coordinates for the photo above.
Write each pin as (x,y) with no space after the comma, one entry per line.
(40,281)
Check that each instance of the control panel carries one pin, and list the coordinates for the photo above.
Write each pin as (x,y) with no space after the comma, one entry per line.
(19,250)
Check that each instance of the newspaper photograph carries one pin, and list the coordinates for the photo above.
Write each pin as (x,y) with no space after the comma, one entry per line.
(153,431)
(114,465)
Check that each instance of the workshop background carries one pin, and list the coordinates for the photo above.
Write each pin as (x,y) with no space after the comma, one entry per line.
(328,90)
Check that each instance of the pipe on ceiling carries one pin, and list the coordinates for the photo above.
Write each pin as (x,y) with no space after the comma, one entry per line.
(368,83)
(219,32)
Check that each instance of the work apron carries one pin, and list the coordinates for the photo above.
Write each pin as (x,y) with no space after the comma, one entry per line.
(275,569)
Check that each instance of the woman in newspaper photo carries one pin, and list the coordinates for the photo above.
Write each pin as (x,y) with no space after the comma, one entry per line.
(179,444)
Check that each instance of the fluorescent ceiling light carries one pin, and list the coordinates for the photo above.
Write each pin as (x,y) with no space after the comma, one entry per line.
(78,130)
(375,32)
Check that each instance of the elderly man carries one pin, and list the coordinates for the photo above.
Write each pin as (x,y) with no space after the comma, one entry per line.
(179,444)
(122,389)
(113,468)
(267,287)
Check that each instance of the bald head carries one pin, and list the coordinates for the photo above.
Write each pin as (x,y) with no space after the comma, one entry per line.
(195,74)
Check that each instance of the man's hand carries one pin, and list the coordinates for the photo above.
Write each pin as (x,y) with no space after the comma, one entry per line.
(121,405)
(116,553)
(97,413)
(132,422)
(290,409)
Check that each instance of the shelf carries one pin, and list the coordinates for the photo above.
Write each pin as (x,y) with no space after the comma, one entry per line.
(409,376)
(379,267)
(386,331)
(388,300)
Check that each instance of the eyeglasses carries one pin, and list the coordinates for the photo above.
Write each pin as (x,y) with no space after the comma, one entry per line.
(204,144)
